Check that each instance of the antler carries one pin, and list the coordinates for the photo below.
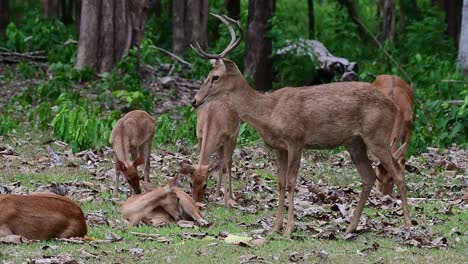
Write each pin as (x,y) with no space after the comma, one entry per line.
(232,45)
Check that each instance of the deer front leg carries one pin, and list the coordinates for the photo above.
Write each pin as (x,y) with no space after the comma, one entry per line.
(116,182)
(294,162)
(281,164)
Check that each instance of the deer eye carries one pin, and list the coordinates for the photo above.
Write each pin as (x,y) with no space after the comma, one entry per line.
(215,78)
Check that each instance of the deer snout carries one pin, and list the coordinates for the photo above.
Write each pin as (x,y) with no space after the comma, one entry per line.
(194,103)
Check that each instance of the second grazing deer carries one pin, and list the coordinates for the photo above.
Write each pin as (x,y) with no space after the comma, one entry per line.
(353,114)
(402,95)
(217,129)
(132,135)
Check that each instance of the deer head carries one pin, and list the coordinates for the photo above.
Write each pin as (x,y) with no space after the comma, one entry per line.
(131,172)
(199,175)
(225,75)
(385,182)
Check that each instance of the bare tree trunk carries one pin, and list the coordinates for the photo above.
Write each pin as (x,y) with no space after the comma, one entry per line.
(453,11)
(233,7)
(51,8)
(108,29)
(387,19)
(352,11)
(77,17)
(257,63)
(4,15)
(310,12)
(463,45)
(67,11)
(189,24)
(178,27)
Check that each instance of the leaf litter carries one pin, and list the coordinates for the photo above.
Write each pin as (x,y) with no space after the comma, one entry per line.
(321,210)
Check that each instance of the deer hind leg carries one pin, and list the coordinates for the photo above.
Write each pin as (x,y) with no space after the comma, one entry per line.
(116,182)
(228,151)
(281,164)
(358,151)
(382,152)
(220,173)
(147,154)
(294,162)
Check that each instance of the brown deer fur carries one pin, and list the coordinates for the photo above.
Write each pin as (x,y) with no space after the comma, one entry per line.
(132,134)
(217,129)
(40,216)
(161,206)
(402,95)
(353,114)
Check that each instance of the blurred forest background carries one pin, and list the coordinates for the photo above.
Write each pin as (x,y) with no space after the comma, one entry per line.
(71,68)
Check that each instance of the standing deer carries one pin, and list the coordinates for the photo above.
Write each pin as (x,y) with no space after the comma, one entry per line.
(161,206)
(217,129)
(402,95)
(353,114)
(40,216)
(133,134)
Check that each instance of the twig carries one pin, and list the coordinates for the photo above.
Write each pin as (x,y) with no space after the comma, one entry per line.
(386,53)
(454,102)
(145,234)
(188,64)
(454,81)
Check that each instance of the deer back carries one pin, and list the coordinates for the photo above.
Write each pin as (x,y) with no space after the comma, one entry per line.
(41,216)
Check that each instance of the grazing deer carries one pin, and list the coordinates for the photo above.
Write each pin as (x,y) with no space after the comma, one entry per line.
(402,95)
(217,129)
(353,114)
(40,216)
(161,206)
(133,134)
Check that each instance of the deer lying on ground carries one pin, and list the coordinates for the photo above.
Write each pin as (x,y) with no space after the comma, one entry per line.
(353,114)
(41,216)
(217,129)
(402,95)
(160,206)
(132,134)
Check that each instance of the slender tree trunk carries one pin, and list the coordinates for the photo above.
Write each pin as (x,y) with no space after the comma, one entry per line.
(463,45)
(108,29)
(4,15)
(453,11)
(310,12)
(67,11)
(189,24)
(386,13)
(257,63)
(51,8)
(352,11)
(77,17)
(233,7)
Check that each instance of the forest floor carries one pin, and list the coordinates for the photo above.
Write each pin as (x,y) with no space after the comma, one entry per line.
(327,193)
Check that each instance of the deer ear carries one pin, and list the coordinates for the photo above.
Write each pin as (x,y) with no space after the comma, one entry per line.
(171,184)
(186,168)
(400,153)
(218,164)
(148,187)
(120,166)
(140,160)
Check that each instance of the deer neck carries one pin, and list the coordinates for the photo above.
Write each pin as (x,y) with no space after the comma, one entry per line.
(253,107)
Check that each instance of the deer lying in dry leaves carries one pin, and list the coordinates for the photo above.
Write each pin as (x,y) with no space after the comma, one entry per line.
(160,206)
(402,95)
(132,134)
(40,216)
(353,114)
(217,129)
